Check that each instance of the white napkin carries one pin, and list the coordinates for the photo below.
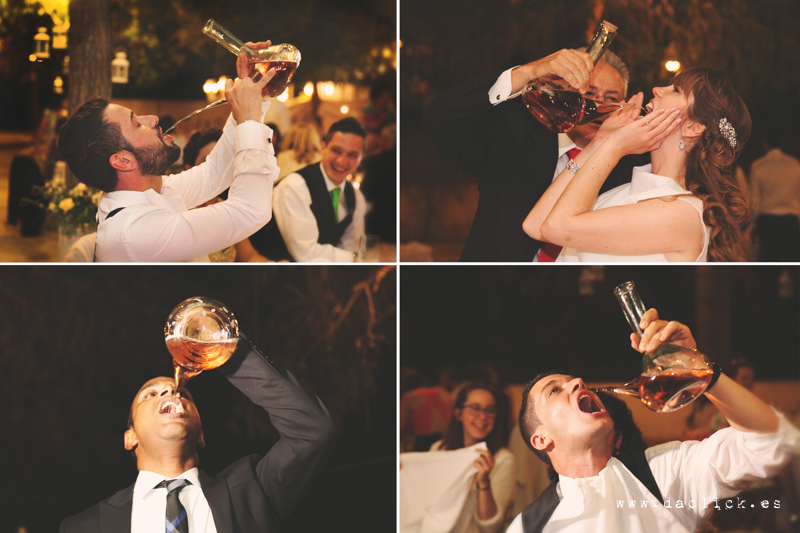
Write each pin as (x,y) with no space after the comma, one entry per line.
(434,487)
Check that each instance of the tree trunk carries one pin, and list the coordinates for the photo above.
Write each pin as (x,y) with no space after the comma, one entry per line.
(89,53)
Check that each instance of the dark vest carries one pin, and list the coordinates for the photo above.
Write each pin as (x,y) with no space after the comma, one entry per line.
(269,242)
(536,515)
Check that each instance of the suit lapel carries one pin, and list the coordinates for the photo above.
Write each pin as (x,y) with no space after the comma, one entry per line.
(115,512)
(216,492)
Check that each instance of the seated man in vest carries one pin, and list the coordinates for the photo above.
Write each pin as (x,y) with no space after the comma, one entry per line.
(144,216)
(670,487)
(319,214)
(254,494)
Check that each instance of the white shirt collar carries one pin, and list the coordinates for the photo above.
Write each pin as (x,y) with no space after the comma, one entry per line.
(643,180)
(565,144)
(328,183)
(146,482)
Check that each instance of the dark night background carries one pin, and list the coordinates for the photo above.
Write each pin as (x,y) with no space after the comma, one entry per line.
(78,342)
(531,319)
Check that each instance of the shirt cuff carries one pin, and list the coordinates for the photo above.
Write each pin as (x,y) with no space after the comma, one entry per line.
(251,135)
(501,90)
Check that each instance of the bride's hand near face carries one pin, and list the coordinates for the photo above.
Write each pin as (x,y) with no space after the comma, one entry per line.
(618,119)
(646,133)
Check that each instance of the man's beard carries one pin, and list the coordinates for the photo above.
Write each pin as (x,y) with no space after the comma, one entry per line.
(156,160)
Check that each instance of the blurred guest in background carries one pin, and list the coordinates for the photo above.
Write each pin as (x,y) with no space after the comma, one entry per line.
(199,146)
(302,147)
(319,215)
(425,410)
(380,187)
(775,184)
(478,416)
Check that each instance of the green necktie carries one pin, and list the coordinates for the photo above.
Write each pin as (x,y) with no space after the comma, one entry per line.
(335,196)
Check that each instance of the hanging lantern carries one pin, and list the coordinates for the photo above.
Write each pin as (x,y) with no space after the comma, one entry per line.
(119,68)
(58,85)
(42,44)
(60,36)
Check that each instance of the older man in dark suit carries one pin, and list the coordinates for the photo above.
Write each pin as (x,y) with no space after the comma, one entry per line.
(253,494)
(488,131)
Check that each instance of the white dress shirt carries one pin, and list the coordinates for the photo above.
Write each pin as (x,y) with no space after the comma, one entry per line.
(775,184)
(501,90)
(150,504)
(690,476)
(298,227)
(157,226)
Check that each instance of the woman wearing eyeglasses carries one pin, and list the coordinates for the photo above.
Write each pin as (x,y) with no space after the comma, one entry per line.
(480,415)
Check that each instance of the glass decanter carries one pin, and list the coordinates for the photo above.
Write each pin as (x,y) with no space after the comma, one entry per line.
(284,58)
(559,106)
(672,376)
(201,334)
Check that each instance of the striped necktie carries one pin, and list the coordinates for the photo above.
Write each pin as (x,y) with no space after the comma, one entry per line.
(549,251)
(175,520)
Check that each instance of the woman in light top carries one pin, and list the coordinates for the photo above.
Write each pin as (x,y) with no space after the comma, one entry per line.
(300,148)
(685,206)
(480,414)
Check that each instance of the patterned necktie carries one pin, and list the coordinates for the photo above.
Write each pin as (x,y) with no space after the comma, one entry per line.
(549,251)
(335,197)
(175,520)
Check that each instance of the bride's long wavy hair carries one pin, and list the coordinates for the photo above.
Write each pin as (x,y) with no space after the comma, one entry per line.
(710,173)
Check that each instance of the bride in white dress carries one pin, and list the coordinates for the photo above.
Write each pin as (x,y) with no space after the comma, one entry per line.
(685,206)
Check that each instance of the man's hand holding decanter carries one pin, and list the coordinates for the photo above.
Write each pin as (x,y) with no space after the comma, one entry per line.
(660,331)
(244,94)
(573,66)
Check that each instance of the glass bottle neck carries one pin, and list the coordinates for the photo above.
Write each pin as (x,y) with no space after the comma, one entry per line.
(602,39)
(631,304)
(215,31)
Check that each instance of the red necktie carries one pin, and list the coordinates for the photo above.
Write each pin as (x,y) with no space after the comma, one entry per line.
(549,251)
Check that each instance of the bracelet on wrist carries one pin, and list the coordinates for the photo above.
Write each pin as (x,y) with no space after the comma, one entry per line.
(488,486)
(714,378)
(572,166)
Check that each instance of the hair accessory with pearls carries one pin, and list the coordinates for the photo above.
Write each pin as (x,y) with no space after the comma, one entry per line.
(727,131)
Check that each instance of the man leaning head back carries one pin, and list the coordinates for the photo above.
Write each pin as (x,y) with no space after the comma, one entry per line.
(566,425)
(164,430)
(104,143)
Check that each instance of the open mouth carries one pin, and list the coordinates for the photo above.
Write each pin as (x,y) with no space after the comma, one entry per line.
(171,405)
(649,107)
(588,403)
